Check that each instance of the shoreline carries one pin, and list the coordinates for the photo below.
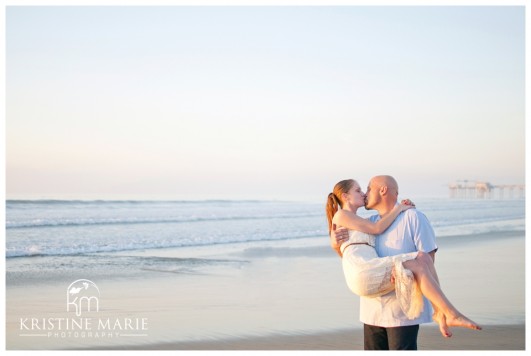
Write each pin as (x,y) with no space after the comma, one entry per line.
(492,337)
(270,296)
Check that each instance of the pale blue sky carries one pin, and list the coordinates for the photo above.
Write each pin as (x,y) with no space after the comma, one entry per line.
(260,102)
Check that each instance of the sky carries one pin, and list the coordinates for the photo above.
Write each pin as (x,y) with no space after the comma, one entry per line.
(273,102)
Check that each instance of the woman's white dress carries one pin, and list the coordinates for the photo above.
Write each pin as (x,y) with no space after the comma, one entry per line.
(368,275)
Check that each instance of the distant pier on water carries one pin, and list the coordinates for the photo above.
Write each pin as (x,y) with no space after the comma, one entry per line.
(470,189)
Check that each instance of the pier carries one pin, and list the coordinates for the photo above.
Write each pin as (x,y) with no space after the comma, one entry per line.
(467,189)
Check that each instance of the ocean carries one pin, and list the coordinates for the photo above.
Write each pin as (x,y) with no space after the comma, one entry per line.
(70,234)
(212,270)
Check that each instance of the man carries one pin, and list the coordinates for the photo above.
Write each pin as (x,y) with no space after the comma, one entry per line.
(385,325)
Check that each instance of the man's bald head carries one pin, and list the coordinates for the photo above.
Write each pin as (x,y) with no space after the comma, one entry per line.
(387,181)
(382,193)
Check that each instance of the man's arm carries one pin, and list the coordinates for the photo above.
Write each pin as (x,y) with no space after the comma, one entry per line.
(422,231)
(337,237)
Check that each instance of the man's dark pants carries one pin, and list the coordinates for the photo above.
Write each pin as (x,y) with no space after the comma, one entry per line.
(399,338)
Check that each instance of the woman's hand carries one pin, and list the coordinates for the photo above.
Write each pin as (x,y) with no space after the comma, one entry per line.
(406,204)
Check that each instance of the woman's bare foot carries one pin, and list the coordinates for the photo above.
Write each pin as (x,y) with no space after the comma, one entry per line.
(440,318)
(462,321)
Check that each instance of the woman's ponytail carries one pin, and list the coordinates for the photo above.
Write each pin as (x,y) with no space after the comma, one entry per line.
(332,206)
(333,203)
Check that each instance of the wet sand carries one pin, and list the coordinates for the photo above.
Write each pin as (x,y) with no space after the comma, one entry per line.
(493,337)
(275,296)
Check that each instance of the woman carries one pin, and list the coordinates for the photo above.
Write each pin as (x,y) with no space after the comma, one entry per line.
(410,275)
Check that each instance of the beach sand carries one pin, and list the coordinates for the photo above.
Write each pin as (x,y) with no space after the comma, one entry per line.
(274,296)
(493,337)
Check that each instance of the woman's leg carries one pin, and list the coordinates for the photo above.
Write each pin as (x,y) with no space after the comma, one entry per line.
(439,316)
(429,286)
(428,260)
